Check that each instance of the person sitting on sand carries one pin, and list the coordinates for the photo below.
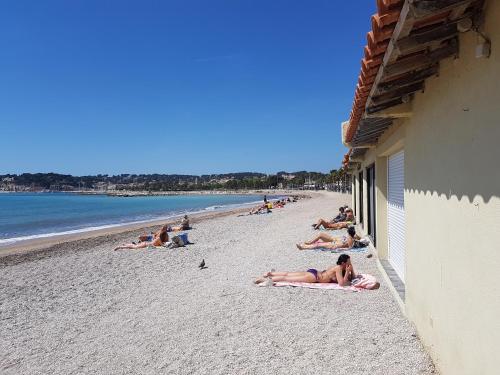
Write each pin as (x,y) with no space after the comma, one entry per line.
(325,241)
(349,220)
(342,274)
(159,239)
(183,226)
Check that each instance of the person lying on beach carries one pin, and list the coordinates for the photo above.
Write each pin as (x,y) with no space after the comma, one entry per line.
(151,236)
(349,220)
(184,225)
(342,274)
(159,239)
(325,241)
(278,204)
(341,216)
(264,209)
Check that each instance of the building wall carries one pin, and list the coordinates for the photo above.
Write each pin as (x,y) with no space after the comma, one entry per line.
(452,201)
(452,207)
(391,142)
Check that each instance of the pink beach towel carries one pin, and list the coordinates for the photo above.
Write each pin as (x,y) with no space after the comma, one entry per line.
(363,281)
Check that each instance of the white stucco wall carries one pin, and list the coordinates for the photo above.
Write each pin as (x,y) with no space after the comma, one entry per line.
(452,199)
(452,204)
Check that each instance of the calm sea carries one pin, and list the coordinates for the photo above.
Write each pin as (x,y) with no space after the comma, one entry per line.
(35,215)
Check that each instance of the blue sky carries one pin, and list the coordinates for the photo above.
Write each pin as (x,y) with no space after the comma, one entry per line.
(179,86)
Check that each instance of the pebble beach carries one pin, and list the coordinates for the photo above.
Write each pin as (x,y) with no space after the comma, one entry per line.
(80,308)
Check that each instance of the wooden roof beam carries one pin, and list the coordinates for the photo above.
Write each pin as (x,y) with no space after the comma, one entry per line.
(371,132)
(425,8)
(365,145)
(368,130)
(377,108)
(402,91)
(367,140)
(408,79)
(403,110)
(422,40)
(421,61)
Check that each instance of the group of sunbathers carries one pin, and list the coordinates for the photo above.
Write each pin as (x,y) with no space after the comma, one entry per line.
(267,206)
(156,239)
(343,272)
(344,219)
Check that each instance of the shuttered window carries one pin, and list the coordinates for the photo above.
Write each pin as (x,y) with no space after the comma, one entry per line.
(396,213)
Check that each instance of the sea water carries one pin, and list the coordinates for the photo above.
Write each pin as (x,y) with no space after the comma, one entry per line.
(36,215)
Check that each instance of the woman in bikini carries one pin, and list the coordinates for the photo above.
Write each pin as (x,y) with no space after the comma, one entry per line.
(158,239)
(326,241)
(342,274)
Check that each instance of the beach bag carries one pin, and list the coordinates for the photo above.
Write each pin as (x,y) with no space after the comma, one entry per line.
(358,244)
(180,240)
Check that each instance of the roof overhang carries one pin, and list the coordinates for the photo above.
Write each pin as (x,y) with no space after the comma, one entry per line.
(401,54)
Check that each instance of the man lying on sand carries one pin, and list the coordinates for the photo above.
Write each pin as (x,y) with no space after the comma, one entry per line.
(158,239)
(349,220)
(324,240)
(342,274)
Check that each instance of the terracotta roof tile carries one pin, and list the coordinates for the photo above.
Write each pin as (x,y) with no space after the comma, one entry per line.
(383,23)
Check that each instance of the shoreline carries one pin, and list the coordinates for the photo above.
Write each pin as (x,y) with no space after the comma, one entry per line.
(143,193)
(35,245)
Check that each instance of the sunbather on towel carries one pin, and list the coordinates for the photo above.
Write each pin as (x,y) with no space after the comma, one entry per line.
(150,237)
(341,274)
(265,208)
(349,220)
(326,241)
(340,217)
(158,240)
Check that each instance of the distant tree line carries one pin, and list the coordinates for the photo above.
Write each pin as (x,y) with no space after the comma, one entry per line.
(169,182)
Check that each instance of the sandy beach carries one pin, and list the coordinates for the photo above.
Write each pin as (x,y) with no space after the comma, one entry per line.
(81,308)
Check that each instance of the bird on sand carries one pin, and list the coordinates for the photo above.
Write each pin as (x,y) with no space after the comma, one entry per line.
(202,265)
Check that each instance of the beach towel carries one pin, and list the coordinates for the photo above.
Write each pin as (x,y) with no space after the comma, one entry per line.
(362,281)
(342,250)
(179,240)
(316,285)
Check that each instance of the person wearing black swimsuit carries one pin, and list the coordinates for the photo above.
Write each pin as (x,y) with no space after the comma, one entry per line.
(341,274)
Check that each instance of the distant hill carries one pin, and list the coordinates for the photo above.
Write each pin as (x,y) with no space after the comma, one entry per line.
(161,182)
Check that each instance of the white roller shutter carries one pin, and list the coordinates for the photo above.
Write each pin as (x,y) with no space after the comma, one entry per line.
(396,213)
